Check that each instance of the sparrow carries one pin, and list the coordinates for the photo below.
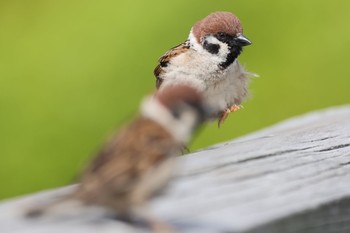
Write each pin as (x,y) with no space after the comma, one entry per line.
(207,61)
(137,163)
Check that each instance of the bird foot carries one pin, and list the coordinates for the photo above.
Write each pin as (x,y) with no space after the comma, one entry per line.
(235,108)
(224,114)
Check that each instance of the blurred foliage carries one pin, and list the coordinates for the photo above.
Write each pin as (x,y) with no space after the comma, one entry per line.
(73,71)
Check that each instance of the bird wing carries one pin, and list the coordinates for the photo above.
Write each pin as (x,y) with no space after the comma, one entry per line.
(121,164)
(165,59)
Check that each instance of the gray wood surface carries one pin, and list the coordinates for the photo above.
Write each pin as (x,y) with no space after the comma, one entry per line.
(291,177)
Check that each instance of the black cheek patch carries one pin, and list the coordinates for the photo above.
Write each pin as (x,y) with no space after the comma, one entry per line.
(231,57)
(211,48)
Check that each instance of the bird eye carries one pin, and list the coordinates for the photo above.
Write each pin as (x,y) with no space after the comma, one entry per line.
(176,114)
(221,34)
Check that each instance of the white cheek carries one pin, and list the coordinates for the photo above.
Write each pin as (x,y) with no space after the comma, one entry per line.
(212,40)
(180,130)
(223,51)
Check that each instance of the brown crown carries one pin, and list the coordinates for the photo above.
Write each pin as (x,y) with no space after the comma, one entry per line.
(217,22)
(173,95)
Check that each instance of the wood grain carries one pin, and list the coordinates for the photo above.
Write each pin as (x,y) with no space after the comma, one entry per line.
(291,177)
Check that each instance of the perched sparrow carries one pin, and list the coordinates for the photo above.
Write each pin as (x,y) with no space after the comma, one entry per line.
(207,60)
(137,163)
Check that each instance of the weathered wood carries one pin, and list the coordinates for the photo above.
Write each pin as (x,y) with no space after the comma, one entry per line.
(292,177)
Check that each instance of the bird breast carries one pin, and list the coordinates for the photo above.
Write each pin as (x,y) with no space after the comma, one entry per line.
(220,89)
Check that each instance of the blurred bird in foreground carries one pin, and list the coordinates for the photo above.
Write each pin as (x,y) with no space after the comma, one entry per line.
(207,61)
(137,163)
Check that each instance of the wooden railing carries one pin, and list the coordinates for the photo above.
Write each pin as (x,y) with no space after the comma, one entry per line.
(291,177)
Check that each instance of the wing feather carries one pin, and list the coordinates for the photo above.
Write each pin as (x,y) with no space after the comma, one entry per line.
(120,165)
(166,58)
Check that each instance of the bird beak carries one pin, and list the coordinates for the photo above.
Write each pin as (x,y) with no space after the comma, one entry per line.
(242,40)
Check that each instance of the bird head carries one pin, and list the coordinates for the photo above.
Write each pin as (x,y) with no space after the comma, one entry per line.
(179,109)
(221,34)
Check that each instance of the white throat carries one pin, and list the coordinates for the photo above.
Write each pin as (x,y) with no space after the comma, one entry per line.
(152,109)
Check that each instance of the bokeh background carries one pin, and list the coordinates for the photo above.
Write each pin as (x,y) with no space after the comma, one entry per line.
(72,71)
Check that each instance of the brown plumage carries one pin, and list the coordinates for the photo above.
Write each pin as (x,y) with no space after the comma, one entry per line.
(138,162)
(208,61)
(164,60)
(224,22)
(170,96)
(134,165)
(119,168)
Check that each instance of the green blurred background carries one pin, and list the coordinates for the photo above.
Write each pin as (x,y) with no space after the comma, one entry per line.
(73,71)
